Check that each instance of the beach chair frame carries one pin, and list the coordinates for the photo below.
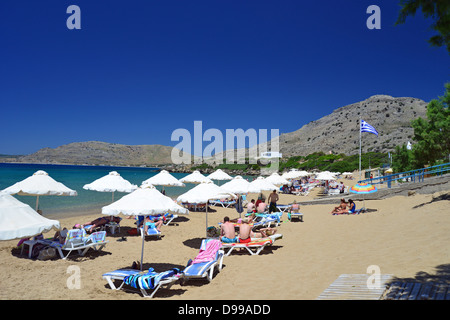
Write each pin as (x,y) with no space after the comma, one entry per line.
(203,270)
(121,274)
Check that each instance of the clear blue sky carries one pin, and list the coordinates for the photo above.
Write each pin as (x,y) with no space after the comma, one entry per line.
(138,70)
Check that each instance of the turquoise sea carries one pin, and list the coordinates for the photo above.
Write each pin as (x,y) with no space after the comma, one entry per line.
(75,177)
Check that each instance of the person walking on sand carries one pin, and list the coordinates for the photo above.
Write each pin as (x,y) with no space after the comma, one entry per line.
(272,200)
(227,232)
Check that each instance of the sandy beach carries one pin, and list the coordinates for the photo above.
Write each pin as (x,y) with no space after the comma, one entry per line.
(406,236)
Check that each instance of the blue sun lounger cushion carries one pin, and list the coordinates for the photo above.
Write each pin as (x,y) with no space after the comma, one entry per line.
(150,280)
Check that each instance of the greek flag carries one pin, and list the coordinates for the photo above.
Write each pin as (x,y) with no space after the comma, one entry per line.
(365,127)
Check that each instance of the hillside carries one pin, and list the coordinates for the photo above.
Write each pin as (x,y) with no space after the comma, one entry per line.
(337,133)
(96,152)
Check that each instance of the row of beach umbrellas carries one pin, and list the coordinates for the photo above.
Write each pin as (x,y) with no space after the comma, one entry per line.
(18,220)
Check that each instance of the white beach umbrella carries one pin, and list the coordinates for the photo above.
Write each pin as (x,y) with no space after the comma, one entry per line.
(219,175)
(276,179)
(165,179)
(39,184)
(18,220)
(112,182)
(325,176)
(144,201)
(204,192)
(294,174)
(261,184)
(195,177)
(237,185)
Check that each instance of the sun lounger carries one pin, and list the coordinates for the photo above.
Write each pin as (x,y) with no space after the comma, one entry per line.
(254,247)
(150,232)
(224,204)
(144,281)
(167,218)
(97,240)
(210,258)
(295,215)
(76,240)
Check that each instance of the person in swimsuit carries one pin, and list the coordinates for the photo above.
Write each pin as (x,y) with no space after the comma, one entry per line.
(98,223)
(152,224)
(227,232)
(341,208)
(352,205)
(273,198)
(245,231)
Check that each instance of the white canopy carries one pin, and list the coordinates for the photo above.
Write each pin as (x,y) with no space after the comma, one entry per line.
(195,177)
(294,174)
(204,192)
(40,184)
(261,184)
(164,178)
(325,176)
(237,185)
(111,183)
(18,220)
(219,175)
(276,179)
(146,200)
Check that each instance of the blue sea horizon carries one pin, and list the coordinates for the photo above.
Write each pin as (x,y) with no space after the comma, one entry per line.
(75,177)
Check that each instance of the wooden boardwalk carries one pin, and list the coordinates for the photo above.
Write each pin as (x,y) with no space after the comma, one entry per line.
(403,290)
(355,287)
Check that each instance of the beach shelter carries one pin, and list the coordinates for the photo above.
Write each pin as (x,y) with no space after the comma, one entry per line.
(144,201)
(195,177)
(363,188)
(219,175)
(18,220)
(165,179)
(261,184)
(40,184)
(112,182)
(237,185)
(204,192)
(325,175)
(294,174)
(276,179)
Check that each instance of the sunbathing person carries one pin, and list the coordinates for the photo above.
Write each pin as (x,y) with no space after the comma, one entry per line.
(245,231)
(97,223)
(341,208)
(152,223)
(227,232)
(264,233)
(294,207)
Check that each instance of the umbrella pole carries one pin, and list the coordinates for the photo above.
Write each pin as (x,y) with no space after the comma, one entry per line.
(37,203)
(206,213)
(142,251)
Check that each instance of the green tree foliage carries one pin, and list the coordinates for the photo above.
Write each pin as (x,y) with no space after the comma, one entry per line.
(438,10)
(402,159)
(433,134)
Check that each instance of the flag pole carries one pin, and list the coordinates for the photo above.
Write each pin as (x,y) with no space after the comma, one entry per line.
(360,148)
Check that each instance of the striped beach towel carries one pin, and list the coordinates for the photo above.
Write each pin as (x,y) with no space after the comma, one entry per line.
(149,280)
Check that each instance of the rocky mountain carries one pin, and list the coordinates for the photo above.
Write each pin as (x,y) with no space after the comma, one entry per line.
(96,152)
(337,132)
